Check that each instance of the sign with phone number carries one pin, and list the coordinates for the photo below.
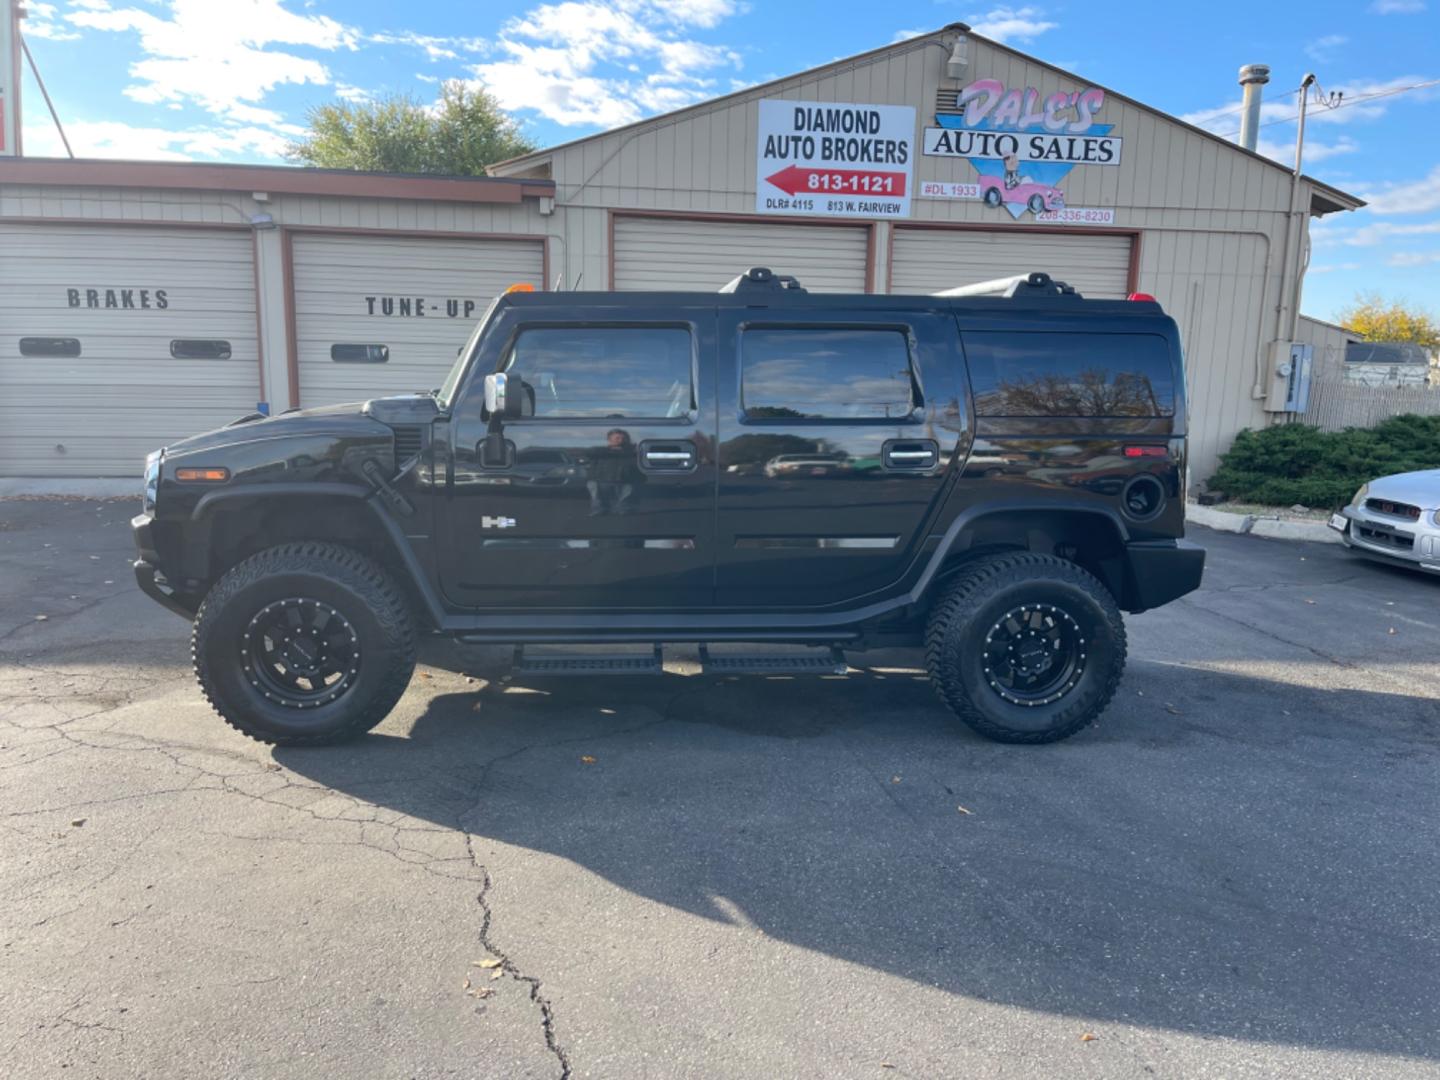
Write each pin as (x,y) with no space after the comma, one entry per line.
(1069,215)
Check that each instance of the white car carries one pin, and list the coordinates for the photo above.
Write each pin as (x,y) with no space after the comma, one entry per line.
(1395,519)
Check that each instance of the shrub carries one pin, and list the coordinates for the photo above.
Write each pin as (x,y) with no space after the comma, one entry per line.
(1293,463)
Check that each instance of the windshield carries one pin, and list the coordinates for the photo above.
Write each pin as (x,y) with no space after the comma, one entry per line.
(446,393)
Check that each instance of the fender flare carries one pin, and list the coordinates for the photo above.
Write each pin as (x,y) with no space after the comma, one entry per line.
(368,497)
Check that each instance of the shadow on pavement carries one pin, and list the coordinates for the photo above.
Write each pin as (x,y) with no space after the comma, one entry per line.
(1217,868)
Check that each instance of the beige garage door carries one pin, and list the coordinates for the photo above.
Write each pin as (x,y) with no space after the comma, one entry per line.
(115,341)
(683,254)
(379,315)
(928,260)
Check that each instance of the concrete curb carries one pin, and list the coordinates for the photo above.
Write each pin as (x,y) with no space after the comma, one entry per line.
(22,487)
(1270,527)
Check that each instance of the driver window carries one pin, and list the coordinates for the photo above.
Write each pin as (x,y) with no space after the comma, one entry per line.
(610,372)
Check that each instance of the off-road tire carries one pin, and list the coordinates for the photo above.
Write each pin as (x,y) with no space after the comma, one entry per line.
(337,577)
(970,605)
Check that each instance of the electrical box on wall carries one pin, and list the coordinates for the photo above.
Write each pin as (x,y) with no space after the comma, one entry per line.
(1290,367)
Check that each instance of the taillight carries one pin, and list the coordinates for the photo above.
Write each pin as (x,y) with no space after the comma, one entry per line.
(1146,451)
(1145,296)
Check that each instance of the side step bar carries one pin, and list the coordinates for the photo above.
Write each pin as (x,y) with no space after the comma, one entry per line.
(831,664)
(559,665)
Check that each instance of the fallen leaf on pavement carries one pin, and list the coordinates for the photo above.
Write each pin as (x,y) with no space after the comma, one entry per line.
(894,779)
(1309,601)
(963,810)
(466,984)
(1089,1036)
(482,992)
(1171,709)
(1392,629)
(497,973)
(589,759)
(488,962)
(77,822)
(42,618)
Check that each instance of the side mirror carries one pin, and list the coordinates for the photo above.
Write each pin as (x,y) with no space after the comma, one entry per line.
(498,402)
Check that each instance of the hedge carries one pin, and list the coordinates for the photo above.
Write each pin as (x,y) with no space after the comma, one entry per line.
(1293,463)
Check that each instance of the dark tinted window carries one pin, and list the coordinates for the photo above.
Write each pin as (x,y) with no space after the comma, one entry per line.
(49,346)
(1053,374)
(839,374)
(360,354)
(610,372)
(199,349)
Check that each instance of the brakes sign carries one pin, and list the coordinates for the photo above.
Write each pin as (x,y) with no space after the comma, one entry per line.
(828,159)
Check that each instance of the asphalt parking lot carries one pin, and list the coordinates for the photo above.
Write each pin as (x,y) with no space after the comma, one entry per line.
(1237,873)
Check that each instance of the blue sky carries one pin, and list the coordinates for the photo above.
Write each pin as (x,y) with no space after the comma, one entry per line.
(231,79)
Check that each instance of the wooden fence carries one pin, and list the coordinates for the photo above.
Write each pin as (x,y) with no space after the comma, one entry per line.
(1337,403)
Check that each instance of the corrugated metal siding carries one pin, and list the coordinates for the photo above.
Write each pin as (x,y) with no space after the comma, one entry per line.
(928,260)
(334,275)
(99,414)
(678,253)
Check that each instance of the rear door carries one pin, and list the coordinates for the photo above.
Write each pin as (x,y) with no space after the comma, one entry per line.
(604,497)
(835,433)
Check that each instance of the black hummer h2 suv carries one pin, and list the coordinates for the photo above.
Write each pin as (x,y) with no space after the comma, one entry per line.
(992,473)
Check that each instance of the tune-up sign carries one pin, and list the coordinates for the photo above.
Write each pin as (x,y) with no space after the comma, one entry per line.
(834,160)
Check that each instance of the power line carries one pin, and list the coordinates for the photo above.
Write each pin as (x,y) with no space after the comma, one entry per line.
(1348,102)
(46,95)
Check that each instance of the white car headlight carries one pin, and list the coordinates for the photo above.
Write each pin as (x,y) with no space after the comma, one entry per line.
(1360,495)
(152,481)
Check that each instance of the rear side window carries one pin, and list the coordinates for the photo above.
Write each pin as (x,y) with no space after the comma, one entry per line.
(825,374)
(1070,374)
(610,372)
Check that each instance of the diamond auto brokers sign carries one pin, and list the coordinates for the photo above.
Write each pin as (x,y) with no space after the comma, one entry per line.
(834,159)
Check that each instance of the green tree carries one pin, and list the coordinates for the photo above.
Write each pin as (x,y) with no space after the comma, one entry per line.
(1376,320)
(459,135)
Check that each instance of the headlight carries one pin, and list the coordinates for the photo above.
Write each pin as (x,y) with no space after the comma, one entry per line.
(152,481)
(1360,495)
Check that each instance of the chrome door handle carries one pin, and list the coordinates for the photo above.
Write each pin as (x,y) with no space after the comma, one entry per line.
(668,456)
(913,455)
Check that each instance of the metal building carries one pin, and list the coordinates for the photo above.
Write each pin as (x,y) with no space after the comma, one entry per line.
(927,164)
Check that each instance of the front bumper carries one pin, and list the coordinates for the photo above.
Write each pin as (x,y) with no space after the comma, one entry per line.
(1399,542)
(147,568)
(1158,571)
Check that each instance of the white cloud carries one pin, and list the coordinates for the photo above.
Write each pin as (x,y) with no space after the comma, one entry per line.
(906,35)
(112,139)
(1407,196)
(1333,268)
(1413,258)
(354,94)
(601,63)
(435,48)
(216,55)
(1397,7)
(42,21)
(1375,234)
(427,78)
(1008,24)
(1315,150)
(1323,49)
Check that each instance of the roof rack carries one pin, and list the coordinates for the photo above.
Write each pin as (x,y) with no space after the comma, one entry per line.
(1033,284)
(762,279)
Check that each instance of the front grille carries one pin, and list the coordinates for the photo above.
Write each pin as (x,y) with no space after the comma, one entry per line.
(1384,537)
(1393,509)
(408,441)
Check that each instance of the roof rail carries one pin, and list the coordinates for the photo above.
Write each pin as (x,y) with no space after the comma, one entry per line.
(762,278)
(1032,284)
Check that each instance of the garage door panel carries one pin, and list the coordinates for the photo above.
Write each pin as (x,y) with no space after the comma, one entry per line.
(98,414)
(342,284)
(929,260)
(702,255)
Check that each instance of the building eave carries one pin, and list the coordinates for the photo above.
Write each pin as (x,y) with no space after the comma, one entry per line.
(273,179)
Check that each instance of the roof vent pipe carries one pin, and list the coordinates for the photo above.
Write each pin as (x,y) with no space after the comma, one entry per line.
(1252,78)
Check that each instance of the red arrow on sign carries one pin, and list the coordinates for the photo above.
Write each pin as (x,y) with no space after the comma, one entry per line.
(794,178)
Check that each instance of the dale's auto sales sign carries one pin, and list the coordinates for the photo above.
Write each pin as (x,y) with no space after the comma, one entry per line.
(834,159)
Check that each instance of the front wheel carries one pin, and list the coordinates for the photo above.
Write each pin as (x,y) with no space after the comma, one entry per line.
(303,644)
(1025,648)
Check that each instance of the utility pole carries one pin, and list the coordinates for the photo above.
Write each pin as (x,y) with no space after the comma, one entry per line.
(9,78)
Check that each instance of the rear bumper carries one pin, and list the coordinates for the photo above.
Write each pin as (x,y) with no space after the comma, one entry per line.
(147,568)
(1159,571)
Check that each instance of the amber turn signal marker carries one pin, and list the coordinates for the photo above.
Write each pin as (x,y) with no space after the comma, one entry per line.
(208,476)
(521,286)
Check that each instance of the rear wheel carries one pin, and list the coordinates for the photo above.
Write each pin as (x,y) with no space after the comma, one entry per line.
(302,644)
(1025,648)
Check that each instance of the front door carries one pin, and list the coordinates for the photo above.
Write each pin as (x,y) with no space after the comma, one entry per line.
(835,434)
(602,494)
